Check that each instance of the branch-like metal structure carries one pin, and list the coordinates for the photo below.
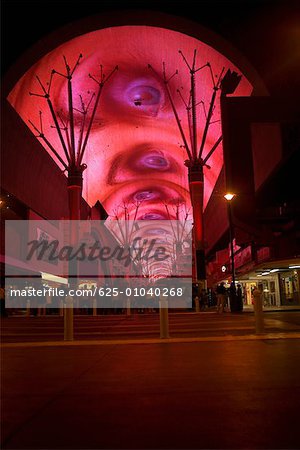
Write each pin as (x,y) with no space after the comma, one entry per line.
(73,143)
(180,230)
(196,162)
(127,225)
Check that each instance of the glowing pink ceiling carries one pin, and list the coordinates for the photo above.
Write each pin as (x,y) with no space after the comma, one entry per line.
(134,151)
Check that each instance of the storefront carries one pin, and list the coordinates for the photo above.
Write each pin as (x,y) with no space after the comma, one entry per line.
(289,287)
(269,286)
(279,283)
(277,280)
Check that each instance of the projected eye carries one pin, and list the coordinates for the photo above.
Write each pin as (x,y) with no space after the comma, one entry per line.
(154,159)
(145,195)
(158,231)
(143,161)
(142,96)
(152,216)
(132,95)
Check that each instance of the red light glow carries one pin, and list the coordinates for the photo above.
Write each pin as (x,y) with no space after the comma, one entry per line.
(135,151)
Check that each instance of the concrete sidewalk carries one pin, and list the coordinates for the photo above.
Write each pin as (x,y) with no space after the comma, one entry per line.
(214,394)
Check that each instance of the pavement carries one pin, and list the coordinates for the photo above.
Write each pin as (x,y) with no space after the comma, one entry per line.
(217,388)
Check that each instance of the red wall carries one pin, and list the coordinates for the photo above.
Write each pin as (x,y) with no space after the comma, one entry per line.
(28,172)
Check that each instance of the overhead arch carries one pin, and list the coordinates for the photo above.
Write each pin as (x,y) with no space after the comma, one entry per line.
(135,151)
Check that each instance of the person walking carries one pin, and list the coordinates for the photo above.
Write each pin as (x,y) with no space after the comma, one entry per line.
(221,297)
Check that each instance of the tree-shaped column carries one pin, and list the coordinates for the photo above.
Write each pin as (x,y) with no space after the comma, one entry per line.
(73,140)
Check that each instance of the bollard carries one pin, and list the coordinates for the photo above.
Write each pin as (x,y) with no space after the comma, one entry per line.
(197,304)
(68,320)
(258,312)
(164,319)
(28,308)
(95,307)
(61,308)
(128,309)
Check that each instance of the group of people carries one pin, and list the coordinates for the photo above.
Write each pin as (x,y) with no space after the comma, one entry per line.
(221,298)
(234,295)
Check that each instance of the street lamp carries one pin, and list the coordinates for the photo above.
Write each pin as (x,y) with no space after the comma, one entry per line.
(229,196)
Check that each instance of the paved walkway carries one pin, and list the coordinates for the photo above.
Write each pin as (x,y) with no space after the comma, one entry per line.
(224,394)
(213,384)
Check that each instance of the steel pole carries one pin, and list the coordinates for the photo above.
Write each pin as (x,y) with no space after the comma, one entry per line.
(233,298)
(74,194)
(196,187)
(231,242)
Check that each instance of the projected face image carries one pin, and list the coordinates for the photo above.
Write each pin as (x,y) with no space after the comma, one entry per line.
(134,153)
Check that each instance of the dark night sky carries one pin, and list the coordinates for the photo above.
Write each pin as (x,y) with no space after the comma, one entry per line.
(251,25)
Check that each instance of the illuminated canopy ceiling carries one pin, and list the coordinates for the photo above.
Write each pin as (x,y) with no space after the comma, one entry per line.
(134,153)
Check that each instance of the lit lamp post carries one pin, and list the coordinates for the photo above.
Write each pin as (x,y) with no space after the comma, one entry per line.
(233,303)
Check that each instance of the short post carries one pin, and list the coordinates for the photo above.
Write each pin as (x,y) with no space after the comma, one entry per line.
(128,308)
(28,308)
(68,320)
(94,307)
(197,304)
(164,319)
(258,312)
(61,308)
